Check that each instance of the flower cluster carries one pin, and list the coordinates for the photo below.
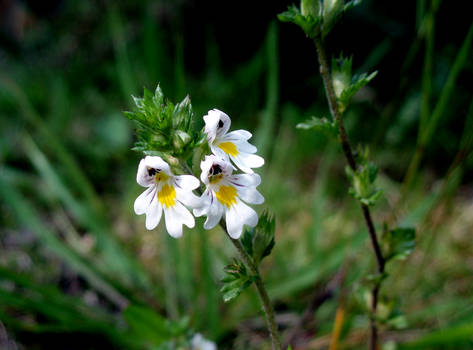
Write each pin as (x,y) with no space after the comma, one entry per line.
(225,194)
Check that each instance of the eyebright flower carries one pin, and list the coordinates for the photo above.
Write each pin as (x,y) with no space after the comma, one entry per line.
(225,193)
(198,342)
(165,192)
(233,145)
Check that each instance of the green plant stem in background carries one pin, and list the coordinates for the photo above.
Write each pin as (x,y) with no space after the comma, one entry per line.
(267,306)
(347,150)
(430,125)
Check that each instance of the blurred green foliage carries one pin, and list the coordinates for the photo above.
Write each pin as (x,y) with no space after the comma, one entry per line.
(78,270)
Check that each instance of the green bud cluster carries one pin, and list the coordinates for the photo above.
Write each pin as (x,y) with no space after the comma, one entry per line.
(163,128)
(316,17)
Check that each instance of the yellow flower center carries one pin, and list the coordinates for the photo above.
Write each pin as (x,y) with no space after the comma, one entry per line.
(167,196)
(229,148)
(227,195)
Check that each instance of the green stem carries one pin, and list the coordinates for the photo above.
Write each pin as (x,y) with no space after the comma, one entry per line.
(263,294)
(347,150)
(267,306)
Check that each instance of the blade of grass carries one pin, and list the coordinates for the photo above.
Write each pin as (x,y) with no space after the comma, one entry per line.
(427,133)
(116,261)
(428,65)
(210,315)
(72,168)
(122,64)
(266,130)
(318,195)
(170,258)
(27,217)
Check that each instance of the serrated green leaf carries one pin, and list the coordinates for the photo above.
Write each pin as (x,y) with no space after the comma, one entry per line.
(399,243)
(357,82)
(235,281)
(309,24)
(345,84)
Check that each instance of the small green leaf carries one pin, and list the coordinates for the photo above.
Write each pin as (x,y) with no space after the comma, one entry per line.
(362,180)
(399,243)
(309,24)
(324,125)
(345,84)
(357,82)
(236,280)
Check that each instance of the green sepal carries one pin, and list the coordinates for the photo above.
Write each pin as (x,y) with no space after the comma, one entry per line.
(236,280)
(311,8)
(398,243)
(332,11)
(259,241)
(309,24)
(324,125)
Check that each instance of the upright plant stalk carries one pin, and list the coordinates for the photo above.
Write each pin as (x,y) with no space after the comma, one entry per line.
(267,306)
(347,150)
(263,294)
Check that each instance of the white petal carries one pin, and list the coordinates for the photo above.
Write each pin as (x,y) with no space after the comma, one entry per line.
(238,135)
(245,180)
(246,161)
(238,215)
(220,153)
(157,163)
(175,217)
(153,215)
(205,201)
(214,214)
(188,198)
(250,195)
(144,200)
(245,147)
(212,121)
(187,182)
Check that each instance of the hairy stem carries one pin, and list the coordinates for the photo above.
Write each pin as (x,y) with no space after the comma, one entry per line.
(267,306)
(266,302)
(347,150)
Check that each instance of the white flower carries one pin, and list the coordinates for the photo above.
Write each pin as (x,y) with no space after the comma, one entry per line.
(233,145)
(198,342)
(165,192)
(225,194)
